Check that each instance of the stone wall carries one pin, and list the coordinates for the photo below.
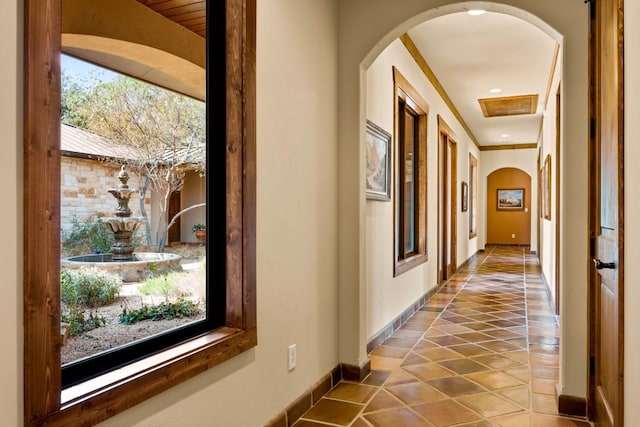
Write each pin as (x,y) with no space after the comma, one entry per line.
(84,190)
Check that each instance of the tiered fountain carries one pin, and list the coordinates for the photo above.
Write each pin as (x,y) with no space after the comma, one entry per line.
(130,266)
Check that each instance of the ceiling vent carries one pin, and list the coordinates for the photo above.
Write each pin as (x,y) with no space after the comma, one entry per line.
(509,105)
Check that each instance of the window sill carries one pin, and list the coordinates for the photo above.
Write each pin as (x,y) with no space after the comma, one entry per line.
(98,398)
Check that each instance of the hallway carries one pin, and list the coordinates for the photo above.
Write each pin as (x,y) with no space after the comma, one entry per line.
(482,352)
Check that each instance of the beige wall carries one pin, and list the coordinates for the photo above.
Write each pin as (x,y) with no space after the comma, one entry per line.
(366,27)
(388,296)
(491,161)
(296,228)
(296,222)
(11,214)
(508,226)
(193,193)
(632,207)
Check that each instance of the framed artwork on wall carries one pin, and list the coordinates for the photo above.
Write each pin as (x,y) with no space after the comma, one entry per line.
(546,190)
(465,196)
(510,199)
(378,149)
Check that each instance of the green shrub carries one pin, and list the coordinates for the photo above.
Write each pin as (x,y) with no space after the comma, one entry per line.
(166,310)
(160,285)
(88,287)
(87,237)
(77,321)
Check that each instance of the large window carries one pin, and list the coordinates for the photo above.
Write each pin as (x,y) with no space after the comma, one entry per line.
(411,176)
(230,326)
(473,196)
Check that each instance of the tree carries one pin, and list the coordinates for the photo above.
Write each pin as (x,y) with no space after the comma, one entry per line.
(162,132)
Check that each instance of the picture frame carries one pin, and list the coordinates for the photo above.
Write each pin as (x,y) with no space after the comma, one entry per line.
(464,203)
(378,149)
(510,199)
(546,191)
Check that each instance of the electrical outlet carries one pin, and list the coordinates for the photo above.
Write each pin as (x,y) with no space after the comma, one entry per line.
(513,236)
(292,357)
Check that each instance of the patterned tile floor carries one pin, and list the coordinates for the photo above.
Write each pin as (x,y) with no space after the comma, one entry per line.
(483,352)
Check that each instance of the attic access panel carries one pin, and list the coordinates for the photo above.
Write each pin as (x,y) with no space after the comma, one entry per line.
(509,105)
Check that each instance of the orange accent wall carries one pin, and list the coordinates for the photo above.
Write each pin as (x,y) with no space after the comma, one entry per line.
(502,224)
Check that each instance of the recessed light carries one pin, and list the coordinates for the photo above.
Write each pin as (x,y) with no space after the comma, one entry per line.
(476,12)
(505,135)
(495,90)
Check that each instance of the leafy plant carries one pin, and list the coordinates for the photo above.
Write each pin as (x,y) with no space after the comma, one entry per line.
(86,288)
(164,311)
(89,287)
(160,285)
(85,237)
(198,227)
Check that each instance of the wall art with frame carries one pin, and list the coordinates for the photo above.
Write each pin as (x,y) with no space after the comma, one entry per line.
(378,147)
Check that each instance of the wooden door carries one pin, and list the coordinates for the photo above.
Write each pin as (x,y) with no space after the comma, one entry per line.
(447,206)
(606,298)
(173,235)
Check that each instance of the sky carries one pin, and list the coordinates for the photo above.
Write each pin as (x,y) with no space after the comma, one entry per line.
(81,70)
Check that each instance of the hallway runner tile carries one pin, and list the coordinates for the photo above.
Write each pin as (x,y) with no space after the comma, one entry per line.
(482,352)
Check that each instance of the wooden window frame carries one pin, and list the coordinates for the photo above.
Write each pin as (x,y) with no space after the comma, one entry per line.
(404,93)
(232,89)
(473,196)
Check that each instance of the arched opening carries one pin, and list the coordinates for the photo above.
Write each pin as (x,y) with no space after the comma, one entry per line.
(357,55)
(509,207)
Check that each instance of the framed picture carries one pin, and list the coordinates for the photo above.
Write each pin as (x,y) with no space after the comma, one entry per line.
(465,196)
(378,163)
(546,191)
(510,199)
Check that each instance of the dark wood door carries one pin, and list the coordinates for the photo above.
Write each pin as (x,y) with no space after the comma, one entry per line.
(607,216)
(174,207)
(447,209)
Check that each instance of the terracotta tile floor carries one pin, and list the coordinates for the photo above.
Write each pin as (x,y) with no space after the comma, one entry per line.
(482,352)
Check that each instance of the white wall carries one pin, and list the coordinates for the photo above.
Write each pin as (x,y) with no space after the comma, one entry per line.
(387,296)
(547,146)
(296,228)
(11,216)
(490,161)
(632,207)
(366,27)
(296,231)
(193,193)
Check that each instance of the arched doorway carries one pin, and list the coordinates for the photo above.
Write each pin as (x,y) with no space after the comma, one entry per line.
(366,30)
(509,207)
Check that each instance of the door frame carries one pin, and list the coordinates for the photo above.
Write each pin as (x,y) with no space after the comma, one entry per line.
(447,189)
(593,215)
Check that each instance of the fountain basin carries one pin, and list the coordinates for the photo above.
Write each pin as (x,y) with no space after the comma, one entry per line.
(143,265)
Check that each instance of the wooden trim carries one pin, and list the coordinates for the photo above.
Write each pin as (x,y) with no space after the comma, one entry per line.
(473,195)
(446,138)
(509,147)
(428,72)
(310,397)
(557,213)
(403,90)
(505,100)
(42,372)
(554,65)
(572,405)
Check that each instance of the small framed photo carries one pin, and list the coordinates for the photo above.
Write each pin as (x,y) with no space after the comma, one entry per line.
(465,196)
(378,163)
(510,199)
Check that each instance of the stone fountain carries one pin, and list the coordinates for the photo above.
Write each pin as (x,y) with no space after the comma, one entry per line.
(130,266)
(123,225)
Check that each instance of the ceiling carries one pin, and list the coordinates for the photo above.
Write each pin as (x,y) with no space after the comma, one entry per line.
(191,14)
(470,55)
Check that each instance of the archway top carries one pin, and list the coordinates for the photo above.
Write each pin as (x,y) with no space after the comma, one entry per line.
(448,9)
(506,169)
